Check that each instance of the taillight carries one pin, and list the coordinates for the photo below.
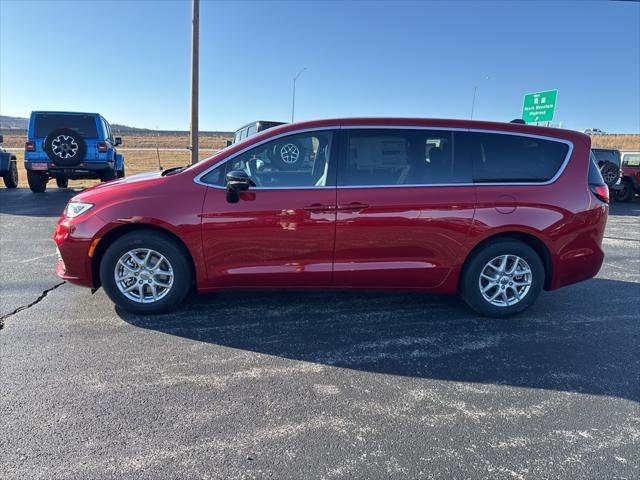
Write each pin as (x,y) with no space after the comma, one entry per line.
(601,192)
(29,146)
(102,147)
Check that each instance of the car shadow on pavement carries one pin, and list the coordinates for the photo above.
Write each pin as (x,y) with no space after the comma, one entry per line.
(22,201)
(569,341)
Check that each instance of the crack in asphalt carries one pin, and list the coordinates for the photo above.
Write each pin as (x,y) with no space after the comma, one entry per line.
(25,307)
(623,239)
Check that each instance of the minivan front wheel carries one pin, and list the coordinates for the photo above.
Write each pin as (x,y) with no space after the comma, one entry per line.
(146,272)
(503,278)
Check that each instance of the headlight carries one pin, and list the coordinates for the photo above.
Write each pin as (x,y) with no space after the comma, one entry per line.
(75,209)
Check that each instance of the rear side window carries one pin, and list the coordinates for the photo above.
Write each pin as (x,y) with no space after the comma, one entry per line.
(511,158)
(85,125)
(251,130)
(631,160)
(386,157)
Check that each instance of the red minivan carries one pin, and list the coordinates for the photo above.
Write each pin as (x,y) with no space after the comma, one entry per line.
(493,211)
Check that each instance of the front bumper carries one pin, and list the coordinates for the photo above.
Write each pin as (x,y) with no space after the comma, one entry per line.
(75,241)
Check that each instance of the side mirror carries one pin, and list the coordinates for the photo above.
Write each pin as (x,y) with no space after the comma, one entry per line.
(229,143)
(237,181)
(118,141)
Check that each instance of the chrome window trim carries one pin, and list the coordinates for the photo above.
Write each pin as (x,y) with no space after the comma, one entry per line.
(553,179)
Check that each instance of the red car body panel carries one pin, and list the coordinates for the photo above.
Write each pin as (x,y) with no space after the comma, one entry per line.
(386,238)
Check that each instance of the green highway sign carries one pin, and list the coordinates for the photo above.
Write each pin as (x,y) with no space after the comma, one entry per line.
(539,107)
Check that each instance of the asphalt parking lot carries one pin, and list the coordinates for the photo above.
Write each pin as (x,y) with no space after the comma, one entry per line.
(313,385)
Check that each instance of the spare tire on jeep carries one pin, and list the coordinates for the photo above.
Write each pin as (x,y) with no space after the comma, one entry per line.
(65,147)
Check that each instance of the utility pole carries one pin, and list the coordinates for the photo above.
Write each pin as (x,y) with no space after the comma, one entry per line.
(293,101)
(195,40)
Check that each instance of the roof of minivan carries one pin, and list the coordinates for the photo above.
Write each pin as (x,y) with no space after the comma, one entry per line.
(430,122)
(65,113)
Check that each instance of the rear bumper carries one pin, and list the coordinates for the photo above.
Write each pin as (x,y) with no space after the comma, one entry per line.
(82,170)
(582,256)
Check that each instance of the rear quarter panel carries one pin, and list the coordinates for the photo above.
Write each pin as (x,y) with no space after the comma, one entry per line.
(564,215)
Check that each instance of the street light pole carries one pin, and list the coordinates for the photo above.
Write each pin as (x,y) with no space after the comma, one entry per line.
(475,92)
(473,102)
(293,101)
(195,34)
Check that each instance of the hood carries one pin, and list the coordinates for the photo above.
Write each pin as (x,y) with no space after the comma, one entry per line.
(122,186)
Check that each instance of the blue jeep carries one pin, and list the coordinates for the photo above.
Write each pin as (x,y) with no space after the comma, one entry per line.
(8,167)
(70,145)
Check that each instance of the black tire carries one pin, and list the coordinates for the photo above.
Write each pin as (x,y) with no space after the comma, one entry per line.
(470,280)
(626,193)
(65,147)
(120,173)
(610,173)
(11,177)
(161,243)
(108,174)
(288,154)
(37,181)
(62,182)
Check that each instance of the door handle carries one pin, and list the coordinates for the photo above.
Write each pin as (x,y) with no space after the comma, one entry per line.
(318,207)
(353,206)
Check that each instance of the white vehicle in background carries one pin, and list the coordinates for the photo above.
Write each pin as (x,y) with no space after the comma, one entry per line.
(594,131)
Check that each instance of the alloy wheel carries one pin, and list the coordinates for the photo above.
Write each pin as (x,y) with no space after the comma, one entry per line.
(144,275)
(64,146)
(505,280)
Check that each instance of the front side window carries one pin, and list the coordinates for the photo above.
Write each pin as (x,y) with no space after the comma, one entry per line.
(295,161)
(511,158)
(251,130)
(387,157)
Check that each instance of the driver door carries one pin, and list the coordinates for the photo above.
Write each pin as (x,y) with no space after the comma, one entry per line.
(281,232)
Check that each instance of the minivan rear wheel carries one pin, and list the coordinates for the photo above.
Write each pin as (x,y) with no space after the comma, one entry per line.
(502,278)
(37,181)
(146,272)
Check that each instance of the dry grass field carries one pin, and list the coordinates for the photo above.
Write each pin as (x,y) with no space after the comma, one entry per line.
(137,161)
(619,142)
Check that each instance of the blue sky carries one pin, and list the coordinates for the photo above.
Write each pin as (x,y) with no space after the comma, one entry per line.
(129,60)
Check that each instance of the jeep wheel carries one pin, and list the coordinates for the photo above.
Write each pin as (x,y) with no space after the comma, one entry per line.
(65,147)
(62,182)
(625,194)
(108,174)
(120,173)
(37,181)
(610,173)
(11,177)
(288,155)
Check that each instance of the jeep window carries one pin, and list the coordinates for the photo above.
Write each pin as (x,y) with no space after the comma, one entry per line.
(631,160)
(251,130)
(511,158)
(401,157)
(85,125)
(295,161)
